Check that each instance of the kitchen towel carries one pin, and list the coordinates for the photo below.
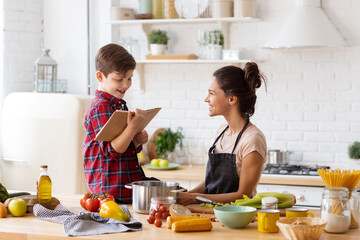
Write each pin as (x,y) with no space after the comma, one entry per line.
(86,223)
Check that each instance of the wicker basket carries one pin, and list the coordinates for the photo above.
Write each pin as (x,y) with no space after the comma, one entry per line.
(303,228)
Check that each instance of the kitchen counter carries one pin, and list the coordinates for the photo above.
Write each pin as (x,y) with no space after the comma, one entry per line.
(197,173)
(31,228)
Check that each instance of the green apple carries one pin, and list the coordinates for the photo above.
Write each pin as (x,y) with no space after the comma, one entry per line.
(164,163)
(155,162)
(17,207)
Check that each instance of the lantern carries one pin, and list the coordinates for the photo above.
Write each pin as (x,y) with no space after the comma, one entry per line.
(45,73)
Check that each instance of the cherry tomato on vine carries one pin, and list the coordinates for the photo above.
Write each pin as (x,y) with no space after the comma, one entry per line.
(83,200)
(92,204)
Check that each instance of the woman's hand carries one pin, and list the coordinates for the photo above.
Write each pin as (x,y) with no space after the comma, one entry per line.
(141,138)
(186,198)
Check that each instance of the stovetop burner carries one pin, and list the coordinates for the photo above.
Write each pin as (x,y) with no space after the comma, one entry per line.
(288,169)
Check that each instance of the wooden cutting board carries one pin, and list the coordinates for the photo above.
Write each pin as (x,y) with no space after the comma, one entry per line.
(196,208)
(172,56)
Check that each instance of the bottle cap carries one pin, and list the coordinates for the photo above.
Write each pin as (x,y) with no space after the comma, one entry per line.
(43,166)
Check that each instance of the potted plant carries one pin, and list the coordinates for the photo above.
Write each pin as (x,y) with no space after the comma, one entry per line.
(354,151)
(215,44)
(167,141)
(158,42)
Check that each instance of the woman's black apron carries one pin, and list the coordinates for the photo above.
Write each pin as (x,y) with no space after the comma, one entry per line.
(221,174)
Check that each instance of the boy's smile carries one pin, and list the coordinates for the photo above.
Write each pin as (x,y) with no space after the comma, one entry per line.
(115,83)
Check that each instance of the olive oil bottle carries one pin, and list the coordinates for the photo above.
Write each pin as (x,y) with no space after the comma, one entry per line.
(44,188)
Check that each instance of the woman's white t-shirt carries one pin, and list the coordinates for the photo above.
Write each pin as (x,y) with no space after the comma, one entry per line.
(252,140)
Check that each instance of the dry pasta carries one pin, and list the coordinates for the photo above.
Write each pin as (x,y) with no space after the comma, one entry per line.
(340,178)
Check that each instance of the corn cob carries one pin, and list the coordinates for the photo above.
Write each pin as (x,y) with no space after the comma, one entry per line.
(171,220)
(192,225)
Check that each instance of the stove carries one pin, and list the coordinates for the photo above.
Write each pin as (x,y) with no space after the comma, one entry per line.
(288,169)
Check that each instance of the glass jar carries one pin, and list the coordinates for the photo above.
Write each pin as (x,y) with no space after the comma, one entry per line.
(355,208)
(269,203)
(335,209)
(159,207)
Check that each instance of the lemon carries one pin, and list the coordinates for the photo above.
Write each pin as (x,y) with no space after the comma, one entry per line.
(177,210)
(17,207)
(141,156)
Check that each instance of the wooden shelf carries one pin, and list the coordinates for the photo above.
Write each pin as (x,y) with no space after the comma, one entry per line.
(178,20)
(140,65)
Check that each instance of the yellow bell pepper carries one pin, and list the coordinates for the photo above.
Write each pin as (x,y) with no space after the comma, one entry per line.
(110,209)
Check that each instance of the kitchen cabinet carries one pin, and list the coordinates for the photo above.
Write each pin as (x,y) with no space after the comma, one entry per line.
(147,26)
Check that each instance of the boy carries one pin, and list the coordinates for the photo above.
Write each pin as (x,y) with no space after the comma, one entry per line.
(108,166)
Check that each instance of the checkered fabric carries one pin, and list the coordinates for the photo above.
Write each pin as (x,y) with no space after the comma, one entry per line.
(107,171)
(86,223)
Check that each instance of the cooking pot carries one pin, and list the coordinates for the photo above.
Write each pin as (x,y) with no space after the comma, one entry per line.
(143,191)
(277,156)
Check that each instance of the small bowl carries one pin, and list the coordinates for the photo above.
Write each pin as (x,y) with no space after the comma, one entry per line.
(301,228)
(235,216)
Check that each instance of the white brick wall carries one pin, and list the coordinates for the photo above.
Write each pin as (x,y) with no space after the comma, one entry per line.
(312,106)
(22,43)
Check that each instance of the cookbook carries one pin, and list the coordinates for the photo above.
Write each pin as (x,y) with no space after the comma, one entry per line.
(118,122)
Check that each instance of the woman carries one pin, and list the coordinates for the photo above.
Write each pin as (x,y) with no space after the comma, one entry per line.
(237,156)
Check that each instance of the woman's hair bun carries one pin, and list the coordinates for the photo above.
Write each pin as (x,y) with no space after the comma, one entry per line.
(253,76)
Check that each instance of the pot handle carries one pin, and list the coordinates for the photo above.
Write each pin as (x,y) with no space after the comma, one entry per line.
(128,186)
(178,190)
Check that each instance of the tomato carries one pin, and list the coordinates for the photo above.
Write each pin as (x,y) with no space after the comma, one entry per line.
(153,212)
(106,196)
(83,200)
(92,204)
(151,219)
(163,208)
(158,206)
(158,215)
(165,215)
(158,223)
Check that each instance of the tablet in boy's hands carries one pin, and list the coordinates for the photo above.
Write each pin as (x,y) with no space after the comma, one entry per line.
(118,122)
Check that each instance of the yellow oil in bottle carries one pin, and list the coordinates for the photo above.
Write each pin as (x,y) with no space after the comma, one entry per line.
(44,188)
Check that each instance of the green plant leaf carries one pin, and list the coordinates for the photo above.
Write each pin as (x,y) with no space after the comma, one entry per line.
(354,150)
(168,140)
(158,37)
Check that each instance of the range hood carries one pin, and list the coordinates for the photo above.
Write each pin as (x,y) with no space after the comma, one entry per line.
(307,26)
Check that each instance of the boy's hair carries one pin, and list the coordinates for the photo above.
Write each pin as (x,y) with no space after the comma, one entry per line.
(113,57)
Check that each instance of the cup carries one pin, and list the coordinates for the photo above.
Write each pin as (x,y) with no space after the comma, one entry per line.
(267,220)
(298,212)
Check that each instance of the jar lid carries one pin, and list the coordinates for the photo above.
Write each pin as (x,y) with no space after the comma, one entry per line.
(269,200)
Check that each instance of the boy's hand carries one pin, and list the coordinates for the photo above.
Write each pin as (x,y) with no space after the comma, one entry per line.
(141,138)
(135,118)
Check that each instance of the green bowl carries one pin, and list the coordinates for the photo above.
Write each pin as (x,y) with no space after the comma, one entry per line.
(235,216)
